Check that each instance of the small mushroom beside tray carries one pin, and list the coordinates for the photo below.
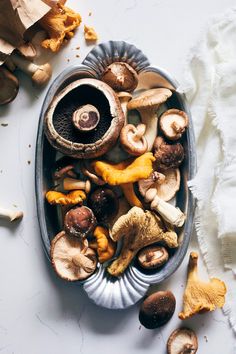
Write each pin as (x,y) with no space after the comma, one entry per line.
(120,193)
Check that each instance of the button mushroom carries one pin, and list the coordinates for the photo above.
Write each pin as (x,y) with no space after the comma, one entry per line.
(167,155)
(166,184)
(86,118)
(9,86)
(40,74)
(153,257)
(121,77)
(132,139)
(182,341)
(147,103)
(157,309)
(173,123)
(138,228)
(71,258)
(104,203)
(80,222)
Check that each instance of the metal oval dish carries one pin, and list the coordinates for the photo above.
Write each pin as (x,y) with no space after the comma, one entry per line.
(103,289)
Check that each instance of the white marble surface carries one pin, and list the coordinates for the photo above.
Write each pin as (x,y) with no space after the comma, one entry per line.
(39,313)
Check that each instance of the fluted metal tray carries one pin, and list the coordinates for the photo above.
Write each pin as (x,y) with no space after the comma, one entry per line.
(103,289)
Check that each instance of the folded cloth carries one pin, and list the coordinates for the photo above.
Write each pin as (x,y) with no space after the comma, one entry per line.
(210,86)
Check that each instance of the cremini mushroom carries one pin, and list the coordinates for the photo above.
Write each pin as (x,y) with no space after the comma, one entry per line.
(167,155)
(80,222)
(132,139)
(157,309)
(71,257)
(138,228)
(121,77)
(182,341)
(147,103)
(72,184)
(9,86)
(199,296)
(170,213)
(173,123)
(40,74)
(124,98)
(166,183)
(86,118)
(152,257)
(104,203)
(10,215)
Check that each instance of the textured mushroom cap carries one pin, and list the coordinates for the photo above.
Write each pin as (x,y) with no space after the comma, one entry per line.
(152,257)
(104,203)
(150,98)
(9,86)
(42,75)
(167,155)
(157,309)
(182,340)
(132,139)
(121,77)
(124,96)
(71,258)
(59,128)
(173,123)
(80,222)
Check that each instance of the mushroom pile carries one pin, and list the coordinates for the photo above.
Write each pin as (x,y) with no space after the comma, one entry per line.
(117,188)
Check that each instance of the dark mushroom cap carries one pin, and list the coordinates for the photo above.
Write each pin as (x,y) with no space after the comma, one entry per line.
(157,309)
(80,222)
(9,86)
(167,155)
(121,77)
(152,257)
(59,127)
(104,203)
(182,340)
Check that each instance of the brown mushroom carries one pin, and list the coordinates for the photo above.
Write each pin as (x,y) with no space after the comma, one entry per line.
(86,118)
(121,77)
(153,257)
(71,258)
(147,103)
(182,341)
(40,74)
(167,155)
(166,184)
(9,86)
(80,222)
(132,139)
(59,127)
(88,171)
(173,123)
(157,309)
(104,203)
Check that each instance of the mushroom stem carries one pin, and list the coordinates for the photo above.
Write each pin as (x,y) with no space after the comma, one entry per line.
(140,131)
(40,74)
(124,98)
(177,128)
(10,215)
(170,213)
(82,261)
(72,184)
(149,118)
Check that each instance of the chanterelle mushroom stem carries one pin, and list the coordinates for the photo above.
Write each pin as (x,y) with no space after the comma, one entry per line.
(40,74)
(10,215)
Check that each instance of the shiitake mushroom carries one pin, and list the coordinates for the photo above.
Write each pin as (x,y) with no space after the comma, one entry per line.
(104,203)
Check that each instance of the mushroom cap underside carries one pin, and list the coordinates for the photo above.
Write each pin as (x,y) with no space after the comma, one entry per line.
(150,98)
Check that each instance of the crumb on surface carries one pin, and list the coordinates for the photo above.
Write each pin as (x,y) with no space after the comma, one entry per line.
(29,145)
(90,13)
(29,162)
(68,60)
(89,34)
(4,124)
(77,48)
(77,56)
(206,339)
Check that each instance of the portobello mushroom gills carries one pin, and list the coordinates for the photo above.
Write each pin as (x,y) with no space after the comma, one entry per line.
(63,133)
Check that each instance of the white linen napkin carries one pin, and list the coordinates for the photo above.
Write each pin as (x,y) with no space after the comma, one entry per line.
(210,86)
